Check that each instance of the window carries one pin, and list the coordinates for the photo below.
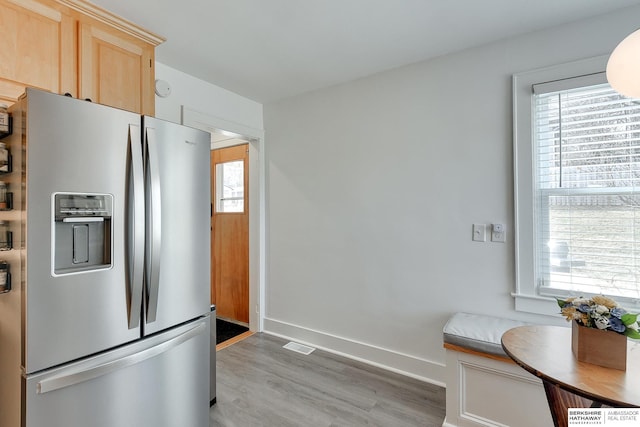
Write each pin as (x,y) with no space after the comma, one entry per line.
(230,186)
(582,233)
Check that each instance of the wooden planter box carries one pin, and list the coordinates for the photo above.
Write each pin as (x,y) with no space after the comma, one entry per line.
(599,347)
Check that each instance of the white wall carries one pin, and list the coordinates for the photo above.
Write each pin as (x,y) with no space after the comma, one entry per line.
(205,98)
(372,189)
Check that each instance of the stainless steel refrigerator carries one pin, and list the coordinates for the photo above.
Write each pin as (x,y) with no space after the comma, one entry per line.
(106,322)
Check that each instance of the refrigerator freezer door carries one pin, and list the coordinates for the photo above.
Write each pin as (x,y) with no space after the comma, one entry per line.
(178,224)
(160,381)
(74,147)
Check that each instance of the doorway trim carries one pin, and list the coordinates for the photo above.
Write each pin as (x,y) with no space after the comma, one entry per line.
(257,167)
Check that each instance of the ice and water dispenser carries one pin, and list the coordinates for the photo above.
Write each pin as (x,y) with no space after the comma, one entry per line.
(82,237)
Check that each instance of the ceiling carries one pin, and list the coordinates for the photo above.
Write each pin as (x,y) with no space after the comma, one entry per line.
(269,50)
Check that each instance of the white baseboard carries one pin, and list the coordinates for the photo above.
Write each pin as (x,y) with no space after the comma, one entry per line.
(411,366)
(446,424)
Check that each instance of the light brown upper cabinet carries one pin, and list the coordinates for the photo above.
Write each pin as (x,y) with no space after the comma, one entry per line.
(37,48)
(115,69)
(72,46)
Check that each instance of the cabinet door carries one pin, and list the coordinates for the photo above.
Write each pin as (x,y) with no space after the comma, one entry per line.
(38,48)
(115,70)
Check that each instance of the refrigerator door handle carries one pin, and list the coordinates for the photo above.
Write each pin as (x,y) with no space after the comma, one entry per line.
(154,222)
(136,232)
(61,381)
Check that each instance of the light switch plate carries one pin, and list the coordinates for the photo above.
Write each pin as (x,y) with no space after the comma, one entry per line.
(479,233)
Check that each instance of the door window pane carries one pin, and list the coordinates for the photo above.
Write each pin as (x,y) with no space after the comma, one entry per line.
(230,186)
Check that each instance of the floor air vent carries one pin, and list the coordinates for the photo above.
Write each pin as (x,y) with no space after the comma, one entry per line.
(294,346)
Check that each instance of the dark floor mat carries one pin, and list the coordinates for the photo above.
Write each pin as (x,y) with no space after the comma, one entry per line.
(227,330)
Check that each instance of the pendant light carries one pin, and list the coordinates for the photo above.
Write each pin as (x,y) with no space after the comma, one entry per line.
(623,67)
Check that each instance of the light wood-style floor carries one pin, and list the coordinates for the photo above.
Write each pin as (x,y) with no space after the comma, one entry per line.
(259,383)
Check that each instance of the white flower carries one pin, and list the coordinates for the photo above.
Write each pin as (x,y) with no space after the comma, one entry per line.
(579,301)
(601,309)
(633,326)
(601,322)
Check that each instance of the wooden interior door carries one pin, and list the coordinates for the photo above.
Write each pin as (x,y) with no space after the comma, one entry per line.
(230,233)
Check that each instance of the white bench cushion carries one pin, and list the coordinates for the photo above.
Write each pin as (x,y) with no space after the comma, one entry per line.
(478,332)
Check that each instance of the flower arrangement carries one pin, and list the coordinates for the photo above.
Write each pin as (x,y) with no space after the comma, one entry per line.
(602,313)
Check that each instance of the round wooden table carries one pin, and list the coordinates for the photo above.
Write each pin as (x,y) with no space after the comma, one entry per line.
(545,351)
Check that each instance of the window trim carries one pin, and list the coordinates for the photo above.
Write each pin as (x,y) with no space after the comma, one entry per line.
(526,294)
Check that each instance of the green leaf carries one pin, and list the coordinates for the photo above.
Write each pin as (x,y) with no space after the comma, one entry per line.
(561,302)
(632,333)
(629,319)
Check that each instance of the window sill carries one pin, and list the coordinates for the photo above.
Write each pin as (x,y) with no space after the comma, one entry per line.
(548,306)
(536,304)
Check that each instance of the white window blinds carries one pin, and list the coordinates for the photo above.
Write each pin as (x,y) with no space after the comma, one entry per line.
(586,180)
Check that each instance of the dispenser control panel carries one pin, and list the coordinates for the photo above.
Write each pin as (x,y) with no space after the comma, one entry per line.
(73,205)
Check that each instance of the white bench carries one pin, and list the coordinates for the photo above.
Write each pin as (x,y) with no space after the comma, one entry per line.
(484,386)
